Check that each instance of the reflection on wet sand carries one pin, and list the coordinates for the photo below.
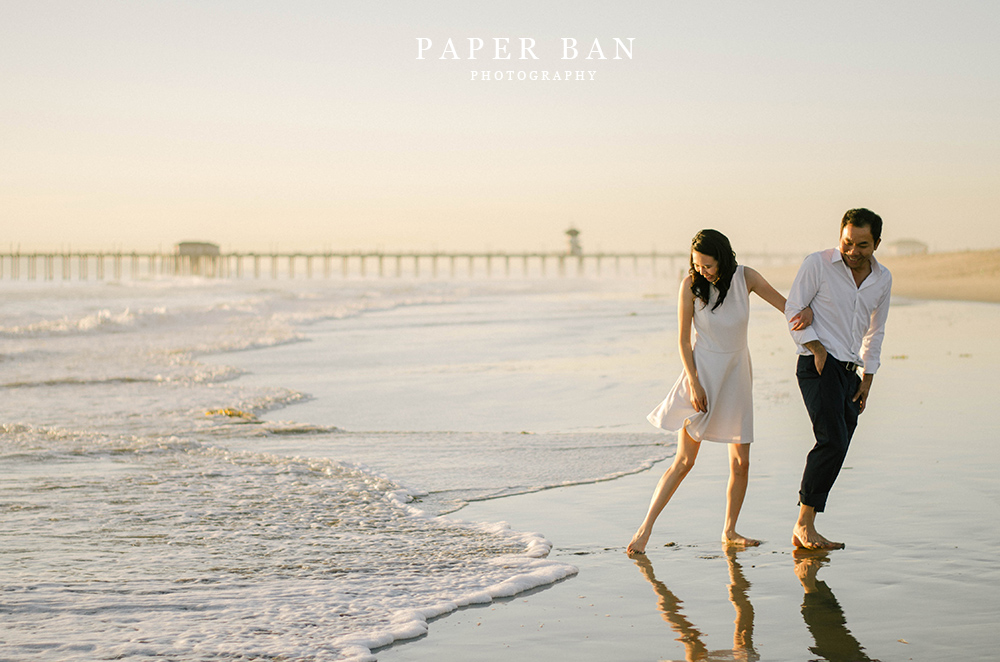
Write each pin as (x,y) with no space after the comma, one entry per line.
(696,651)
(821,612)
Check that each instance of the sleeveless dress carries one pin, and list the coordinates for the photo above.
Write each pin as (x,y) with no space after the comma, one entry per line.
(722,359)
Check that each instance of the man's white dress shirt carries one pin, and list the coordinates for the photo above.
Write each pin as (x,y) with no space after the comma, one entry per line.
(849,321)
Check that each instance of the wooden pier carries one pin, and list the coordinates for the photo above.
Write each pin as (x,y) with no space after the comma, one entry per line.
(117,266)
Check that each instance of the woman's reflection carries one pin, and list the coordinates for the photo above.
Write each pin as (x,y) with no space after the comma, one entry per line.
(669,605)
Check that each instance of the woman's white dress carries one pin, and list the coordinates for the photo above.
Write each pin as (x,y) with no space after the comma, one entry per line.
(722,359)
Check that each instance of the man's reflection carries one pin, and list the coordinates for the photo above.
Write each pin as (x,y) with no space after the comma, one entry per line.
(696,651)
(823,614)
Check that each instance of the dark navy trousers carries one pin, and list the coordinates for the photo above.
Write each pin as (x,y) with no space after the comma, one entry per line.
(834,417)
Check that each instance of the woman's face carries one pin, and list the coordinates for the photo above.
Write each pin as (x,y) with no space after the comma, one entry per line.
(706,265)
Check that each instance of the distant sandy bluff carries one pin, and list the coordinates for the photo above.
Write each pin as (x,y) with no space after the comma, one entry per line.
(956,276)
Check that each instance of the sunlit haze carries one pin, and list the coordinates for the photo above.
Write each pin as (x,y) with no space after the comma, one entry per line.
(314,125)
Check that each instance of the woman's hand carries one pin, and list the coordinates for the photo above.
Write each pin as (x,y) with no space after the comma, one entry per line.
(802,319)
(699,399)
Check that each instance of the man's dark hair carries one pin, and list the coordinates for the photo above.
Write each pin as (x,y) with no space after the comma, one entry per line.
(863,218)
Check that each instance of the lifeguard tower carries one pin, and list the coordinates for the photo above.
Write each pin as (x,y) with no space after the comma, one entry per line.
(574,242)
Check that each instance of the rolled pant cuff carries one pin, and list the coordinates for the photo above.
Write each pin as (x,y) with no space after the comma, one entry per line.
(816,501)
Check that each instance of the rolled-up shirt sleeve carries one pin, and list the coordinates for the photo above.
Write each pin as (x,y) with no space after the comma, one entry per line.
(803,291)
(871,345)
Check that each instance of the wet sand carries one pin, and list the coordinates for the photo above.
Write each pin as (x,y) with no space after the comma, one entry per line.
(915,504)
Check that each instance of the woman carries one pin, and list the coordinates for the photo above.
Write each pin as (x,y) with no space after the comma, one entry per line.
(712,399)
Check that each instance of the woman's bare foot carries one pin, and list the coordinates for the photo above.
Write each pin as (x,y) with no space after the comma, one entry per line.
(736,540)
(805,539)
(638,544)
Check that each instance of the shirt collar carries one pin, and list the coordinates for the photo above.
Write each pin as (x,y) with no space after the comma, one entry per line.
(839,257)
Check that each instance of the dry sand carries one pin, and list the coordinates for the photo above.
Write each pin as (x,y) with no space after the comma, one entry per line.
(916,505)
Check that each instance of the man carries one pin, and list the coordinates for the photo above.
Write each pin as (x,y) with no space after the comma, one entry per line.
(848,291)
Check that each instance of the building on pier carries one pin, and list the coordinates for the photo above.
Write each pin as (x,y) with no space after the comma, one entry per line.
(199,256)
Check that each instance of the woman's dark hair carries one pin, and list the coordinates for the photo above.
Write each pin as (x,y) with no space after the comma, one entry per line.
(716,245)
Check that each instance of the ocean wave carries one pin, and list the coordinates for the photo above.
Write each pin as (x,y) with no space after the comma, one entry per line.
(45,442)
(211,532)
(295,429)
(73,381)
(188,373)
(103,320)
(208,551)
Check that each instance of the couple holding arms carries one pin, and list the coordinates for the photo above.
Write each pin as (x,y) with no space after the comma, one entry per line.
(836,312)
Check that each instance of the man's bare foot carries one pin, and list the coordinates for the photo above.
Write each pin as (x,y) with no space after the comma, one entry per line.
(801,538)
(731,538)
(638,544)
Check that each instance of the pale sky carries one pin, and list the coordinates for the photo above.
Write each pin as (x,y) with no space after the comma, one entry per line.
(312,125)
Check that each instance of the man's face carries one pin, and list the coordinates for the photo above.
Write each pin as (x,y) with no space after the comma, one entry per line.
(857,245)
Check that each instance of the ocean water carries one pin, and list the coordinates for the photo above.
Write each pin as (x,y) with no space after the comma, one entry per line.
(209,470)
